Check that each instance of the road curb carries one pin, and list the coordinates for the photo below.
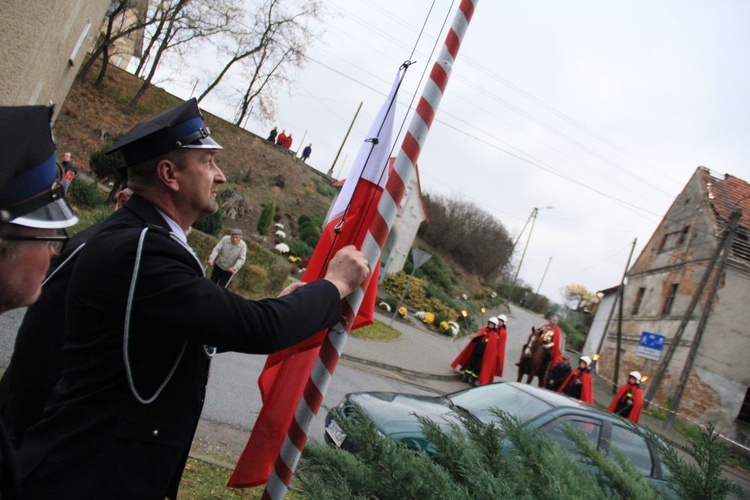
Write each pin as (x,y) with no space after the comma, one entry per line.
(398,369)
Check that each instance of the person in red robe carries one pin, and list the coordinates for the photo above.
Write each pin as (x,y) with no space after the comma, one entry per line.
(556,345)
(281,139)
(628,401)
(579,384)
(484,356)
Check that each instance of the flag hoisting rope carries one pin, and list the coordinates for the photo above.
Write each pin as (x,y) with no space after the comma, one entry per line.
(321,367)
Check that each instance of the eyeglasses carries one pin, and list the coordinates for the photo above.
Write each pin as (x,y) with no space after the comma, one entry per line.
(56,242)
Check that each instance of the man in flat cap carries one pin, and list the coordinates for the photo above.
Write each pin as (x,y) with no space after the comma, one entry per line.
(142,322)
(227,257)
(33,215)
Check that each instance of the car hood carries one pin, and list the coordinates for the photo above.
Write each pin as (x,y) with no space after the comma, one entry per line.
(395,414)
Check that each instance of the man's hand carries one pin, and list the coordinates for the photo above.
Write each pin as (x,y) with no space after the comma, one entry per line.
(347,270)
(290,288)
(232,270)
(210,262)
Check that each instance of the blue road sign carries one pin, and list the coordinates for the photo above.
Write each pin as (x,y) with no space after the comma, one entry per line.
(650,346)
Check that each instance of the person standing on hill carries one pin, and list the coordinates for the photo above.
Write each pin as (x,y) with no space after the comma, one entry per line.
(306,152)
(272,136)
(227,257)
(281,139)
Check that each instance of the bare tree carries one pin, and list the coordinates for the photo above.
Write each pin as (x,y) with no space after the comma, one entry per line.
(112,33)
(475,239)
(180,24)
(264,49)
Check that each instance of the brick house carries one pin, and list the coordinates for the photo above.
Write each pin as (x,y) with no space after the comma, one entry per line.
(658,296)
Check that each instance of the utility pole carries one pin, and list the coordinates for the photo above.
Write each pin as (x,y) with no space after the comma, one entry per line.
(330,170)
(532,218)
(299,145)
(543,276)
(621,297)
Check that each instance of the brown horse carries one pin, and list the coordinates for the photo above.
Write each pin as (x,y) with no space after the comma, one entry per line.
(532,363)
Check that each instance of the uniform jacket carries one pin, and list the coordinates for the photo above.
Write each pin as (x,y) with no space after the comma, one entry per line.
(37,363)
(494,354)
(637,396)
(96,440)
(587,387)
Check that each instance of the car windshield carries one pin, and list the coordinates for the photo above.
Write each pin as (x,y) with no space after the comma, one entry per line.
(480,400)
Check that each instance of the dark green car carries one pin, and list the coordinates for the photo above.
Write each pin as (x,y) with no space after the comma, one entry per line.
(395,415)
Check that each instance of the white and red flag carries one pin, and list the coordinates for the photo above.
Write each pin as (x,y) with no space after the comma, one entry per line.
(286,373)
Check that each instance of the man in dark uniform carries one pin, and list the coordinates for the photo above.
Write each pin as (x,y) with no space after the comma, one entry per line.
(140,321)
(33,213)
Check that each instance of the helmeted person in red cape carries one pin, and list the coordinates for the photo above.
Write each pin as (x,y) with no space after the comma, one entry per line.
(628,401)
(484,356)
(579,384)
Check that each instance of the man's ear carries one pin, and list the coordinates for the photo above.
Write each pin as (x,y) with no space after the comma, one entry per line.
(166,171)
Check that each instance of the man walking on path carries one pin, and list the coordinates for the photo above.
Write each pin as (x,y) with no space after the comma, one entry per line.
(306,152)
(227,257)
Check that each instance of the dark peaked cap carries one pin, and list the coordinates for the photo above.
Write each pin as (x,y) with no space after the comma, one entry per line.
(179,127)
(30,192)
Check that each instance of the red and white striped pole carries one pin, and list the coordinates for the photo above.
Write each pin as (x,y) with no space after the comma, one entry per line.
(372,247)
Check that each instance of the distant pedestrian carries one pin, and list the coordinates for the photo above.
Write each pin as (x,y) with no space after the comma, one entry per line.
(272,136)
(628,401)
(579,384)
(306,152)
(227,257)
(288,142)
(281,139)
(69,170)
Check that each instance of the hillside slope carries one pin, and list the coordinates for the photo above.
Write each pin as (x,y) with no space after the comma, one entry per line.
(259,171)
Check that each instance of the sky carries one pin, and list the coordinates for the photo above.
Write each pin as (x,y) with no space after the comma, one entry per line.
(600,110)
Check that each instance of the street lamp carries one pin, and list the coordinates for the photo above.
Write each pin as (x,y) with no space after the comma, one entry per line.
(482,310)
(465,314)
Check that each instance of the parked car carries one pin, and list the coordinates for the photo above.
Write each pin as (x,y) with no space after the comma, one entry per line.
(395,415)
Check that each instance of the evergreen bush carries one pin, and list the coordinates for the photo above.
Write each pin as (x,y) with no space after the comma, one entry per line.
(211,224)
(84,194)
(266,217)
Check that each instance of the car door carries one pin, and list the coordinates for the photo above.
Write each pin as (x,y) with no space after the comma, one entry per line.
(588,426)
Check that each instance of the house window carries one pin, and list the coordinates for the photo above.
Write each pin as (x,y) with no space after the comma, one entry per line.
(683,236)
(744,415)
(674,239)
(638,299)
(670,299)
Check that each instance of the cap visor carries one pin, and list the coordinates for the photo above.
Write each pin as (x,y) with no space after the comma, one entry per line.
(54,215)
(203,143)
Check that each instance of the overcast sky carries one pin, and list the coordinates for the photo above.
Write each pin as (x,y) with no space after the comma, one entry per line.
(602,110)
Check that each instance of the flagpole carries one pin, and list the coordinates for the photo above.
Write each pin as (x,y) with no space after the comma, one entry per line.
(377,234)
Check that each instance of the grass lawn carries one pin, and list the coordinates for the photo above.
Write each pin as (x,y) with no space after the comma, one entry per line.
(204,481)
(377,331)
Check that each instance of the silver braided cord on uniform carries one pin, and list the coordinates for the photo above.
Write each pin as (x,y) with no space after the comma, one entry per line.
(72,254)
(126,333)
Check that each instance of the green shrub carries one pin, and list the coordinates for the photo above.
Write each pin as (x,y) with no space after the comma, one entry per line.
(299,248)
(211,224)
(266,217)
(84,194)
(107,166)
